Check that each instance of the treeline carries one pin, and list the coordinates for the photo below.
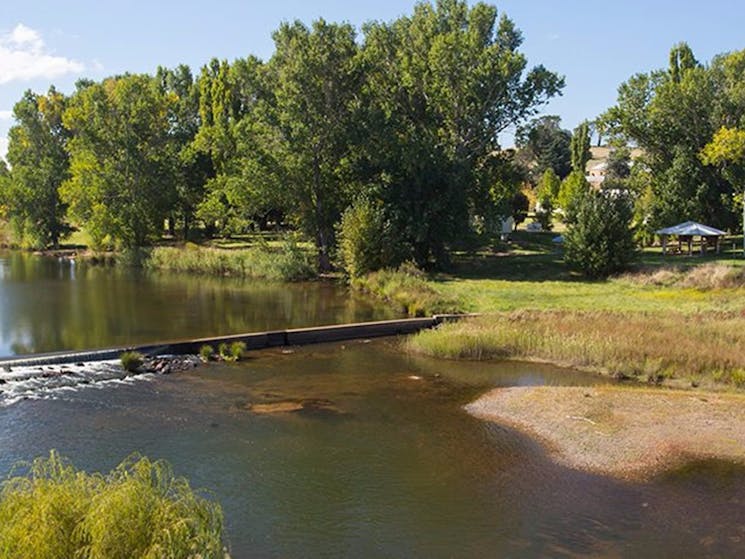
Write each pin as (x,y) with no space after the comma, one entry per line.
(399,129)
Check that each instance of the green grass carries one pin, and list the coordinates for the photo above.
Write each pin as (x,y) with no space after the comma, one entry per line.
(649,346)
(140,510)
(288,263)
(408,290)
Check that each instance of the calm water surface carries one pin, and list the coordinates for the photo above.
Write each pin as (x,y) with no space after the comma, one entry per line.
(395,469)
(48,304)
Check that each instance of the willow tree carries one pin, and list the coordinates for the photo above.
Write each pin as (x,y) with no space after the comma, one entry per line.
(121,185)
(39,160)
(441,85)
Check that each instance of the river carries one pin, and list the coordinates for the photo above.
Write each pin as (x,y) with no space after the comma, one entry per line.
(391,467)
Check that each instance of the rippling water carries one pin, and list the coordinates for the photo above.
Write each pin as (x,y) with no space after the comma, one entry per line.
(392,468)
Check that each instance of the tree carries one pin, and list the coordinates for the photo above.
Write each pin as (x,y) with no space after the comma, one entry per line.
(572,189)
(192,167)
(727,151)
(441,85)
(672,115)
(580,147)
(121,184)
(37,153)
(600,241)
(546,146)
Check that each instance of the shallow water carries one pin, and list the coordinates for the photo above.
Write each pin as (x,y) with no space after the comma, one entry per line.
(48,304)
(395,468)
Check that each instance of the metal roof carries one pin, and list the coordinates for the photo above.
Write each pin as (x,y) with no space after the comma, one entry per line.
(691,228)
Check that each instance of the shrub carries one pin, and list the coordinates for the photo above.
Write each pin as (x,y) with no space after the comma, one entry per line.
(360,237)
(131,360)
(600,240)
(138,510)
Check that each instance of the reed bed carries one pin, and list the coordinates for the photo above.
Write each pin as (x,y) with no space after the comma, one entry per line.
(407,289)
(140,510)
(708,347)
(287,263)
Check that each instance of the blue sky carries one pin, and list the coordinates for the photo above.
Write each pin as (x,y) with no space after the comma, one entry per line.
(595,45)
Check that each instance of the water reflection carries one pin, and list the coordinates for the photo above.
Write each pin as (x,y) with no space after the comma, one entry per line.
(48,304)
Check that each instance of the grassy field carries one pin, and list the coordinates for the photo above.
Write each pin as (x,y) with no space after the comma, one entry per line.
(677,320)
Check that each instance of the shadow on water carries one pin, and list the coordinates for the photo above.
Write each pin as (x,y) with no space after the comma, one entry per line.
(385,463)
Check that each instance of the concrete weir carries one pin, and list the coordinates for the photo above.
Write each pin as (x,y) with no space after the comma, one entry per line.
(255,340)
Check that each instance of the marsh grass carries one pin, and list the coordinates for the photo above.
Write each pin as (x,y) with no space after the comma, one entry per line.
(650,346)
(407,289)
(289,262)
(140,510)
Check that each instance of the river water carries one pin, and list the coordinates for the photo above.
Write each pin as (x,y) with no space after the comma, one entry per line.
(389,466)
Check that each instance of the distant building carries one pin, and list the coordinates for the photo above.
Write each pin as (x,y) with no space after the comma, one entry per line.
(597,166)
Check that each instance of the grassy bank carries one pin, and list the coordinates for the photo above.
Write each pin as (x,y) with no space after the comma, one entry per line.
(408,290)
(286,263)
(138,510)
(705,349)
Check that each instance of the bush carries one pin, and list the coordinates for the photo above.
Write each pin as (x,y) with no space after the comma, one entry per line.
(600,240)
(131,361)
(138,510)
(360,237)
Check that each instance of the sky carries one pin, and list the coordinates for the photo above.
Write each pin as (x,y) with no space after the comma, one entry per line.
(595,45)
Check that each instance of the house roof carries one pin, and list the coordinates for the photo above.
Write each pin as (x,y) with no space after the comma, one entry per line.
(691,228)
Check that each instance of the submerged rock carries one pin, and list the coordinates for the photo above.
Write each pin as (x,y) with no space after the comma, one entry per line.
(292,406)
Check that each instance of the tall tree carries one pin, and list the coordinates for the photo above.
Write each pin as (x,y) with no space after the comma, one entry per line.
(546,145)
(672,114)
(307,126)
(37,154)
(580,147)
(192,166)
(442,84)
(121,184)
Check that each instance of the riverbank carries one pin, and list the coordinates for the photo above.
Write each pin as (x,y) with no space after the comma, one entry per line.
(626,433)
(705,350)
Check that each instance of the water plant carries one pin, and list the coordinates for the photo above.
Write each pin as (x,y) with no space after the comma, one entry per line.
(49,510)
(131,360)
(207,353)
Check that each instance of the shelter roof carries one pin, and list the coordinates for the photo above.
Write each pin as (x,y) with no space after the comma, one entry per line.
(691,228)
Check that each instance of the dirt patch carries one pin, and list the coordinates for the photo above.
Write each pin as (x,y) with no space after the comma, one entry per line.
(623,432)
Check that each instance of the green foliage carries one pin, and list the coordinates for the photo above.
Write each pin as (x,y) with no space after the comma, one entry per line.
(580,147)
(549,187)
(408,289)
(289,263)
(206,353)
(673,114)
(600,241)
(122,162)
(231,352)
(572,189)
(131,360)
(361,235)
(138,510)
(37,153)
(440,87)
(546,146)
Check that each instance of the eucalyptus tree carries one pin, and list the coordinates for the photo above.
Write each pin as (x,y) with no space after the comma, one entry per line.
(39,160)
(441,85)
(121,183)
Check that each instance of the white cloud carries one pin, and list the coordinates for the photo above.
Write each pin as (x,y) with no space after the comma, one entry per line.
(6,115)
(24,56)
